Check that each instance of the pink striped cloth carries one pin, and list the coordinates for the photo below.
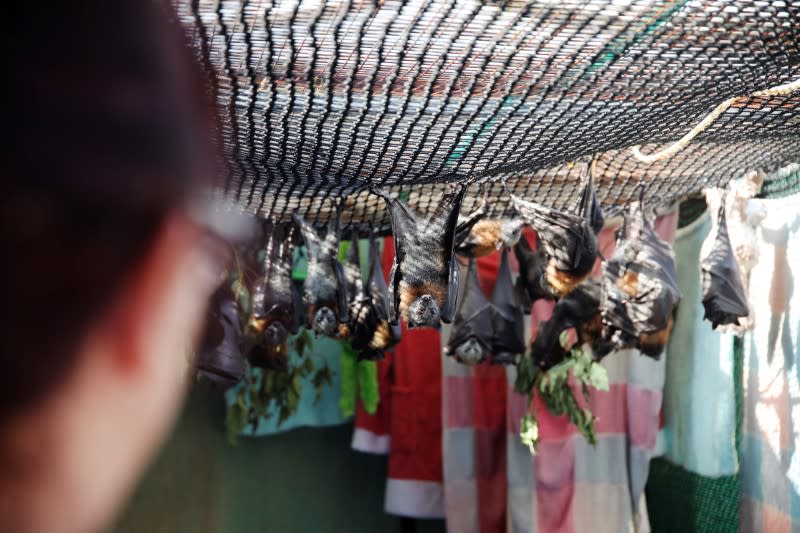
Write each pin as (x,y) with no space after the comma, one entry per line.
(493,484)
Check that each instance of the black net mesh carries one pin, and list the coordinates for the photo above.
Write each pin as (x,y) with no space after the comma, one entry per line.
(319,100)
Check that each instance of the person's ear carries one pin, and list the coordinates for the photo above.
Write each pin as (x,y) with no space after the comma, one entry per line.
(161,306)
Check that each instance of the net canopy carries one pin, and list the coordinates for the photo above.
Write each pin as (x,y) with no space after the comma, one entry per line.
(320,100)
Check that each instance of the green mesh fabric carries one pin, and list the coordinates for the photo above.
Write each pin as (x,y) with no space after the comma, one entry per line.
(679,500)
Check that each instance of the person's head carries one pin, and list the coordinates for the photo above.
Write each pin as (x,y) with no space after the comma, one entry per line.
(105,274)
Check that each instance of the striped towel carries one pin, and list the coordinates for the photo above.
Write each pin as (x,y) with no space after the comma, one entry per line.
(493,484)
(770,464)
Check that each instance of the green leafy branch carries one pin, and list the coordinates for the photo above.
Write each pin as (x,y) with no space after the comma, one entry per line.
(553,387)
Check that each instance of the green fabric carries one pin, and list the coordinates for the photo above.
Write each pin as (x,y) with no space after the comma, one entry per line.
(679,500)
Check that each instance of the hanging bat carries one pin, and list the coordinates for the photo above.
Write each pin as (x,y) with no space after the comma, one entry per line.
(273,316)
(579,309)
(423,282)
(363,317)
(508,319)
(220,358)
(640,288)
(531,283)
(568,239)
(724,297)
(471,339)
(385,335)
(478,236)
(489,235)
(325,287)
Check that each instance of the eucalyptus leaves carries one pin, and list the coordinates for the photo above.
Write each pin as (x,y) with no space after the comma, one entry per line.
(557,391)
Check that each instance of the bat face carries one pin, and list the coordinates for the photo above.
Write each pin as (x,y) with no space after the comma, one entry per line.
(324,322)
(470,352)
(511,231)
(423,311)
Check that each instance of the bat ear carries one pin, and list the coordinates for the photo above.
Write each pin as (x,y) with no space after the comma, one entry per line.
(449,311)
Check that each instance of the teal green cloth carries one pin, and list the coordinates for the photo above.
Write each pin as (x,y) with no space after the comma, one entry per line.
(699,404)
(310,410)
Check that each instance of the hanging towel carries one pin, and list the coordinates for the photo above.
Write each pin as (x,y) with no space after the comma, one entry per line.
(699,397)
(407,424)
(569,485)
(770,449)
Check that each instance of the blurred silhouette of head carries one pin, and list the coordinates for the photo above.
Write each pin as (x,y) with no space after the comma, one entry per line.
(107,141)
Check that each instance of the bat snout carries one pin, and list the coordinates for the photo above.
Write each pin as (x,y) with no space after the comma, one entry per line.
(423,312)
(470,352)
(275,334)
(325,322)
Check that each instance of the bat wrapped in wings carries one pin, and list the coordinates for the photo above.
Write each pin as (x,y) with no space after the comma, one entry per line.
(568,238)
(471,339)
(325,287)
(724,297)
(640,287)
(508,319)
(423,283)
(531,282)
(363,316)
(220,358)
(385,335)
(273,315)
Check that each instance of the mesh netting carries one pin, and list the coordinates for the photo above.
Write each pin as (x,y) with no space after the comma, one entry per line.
(318,100)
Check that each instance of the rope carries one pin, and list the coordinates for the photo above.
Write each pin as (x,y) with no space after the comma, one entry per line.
(779,90)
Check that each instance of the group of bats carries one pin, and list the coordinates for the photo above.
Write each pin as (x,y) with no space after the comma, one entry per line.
(631,306)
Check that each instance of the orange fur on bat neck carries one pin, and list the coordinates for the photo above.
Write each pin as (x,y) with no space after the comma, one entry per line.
(560,282)
(410,293)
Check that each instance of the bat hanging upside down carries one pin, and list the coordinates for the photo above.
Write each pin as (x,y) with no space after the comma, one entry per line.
(568,239)
(273,315)
(423,281)
(478,236)
(325,288)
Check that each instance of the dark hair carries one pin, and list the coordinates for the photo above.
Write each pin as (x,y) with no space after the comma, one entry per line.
(106,131)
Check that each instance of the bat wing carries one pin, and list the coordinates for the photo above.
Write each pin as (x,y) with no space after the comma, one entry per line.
(220,357)
(567,239)
(341,292)
(452,292)
(508,335)
(473,321)
(532,265)
(589,208)
(298,316)
(311,238)
(404,223)
(724,297)
(394,294)
(352,270)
